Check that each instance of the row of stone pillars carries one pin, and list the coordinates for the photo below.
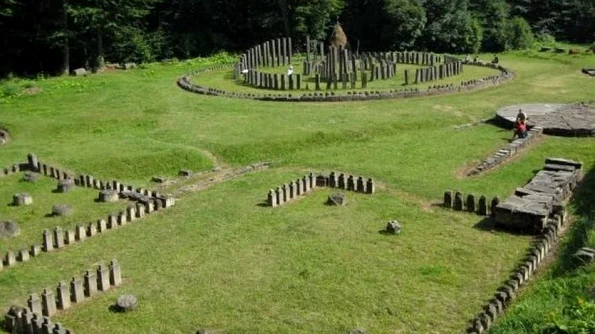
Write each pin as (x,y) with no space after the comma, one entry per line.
(470,203)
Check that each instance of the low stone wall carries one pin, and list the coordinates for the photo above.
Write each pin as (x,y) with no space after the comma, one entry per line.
(505,294)
(147,202)
(505,75)
(470,203)
(507,151)
(35,318)
(302,186)
(530,207)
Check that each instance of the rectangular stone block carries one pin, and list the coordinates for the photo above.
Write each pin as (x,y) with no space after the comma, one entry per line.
(69,237)
(103,278)
(140,210)
(35,250)
(23,255)
(48,241)
(34,303)
(80,233)
(58,238)
(90,283)
(48,303)
(115,273)
(77,294)
(62,296)
(10,259)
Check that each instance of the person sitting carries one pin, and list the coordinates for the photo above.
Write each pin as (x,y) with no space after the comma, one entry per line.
(495,60)
(520,130)
(521,116)
(290,71)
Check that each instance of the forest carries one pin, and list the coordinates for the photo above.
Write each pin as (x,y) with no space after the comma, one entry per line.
(52,37)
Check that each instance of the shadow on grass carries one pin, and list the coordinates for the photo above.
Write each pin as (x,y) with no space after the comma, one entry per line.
(584,203)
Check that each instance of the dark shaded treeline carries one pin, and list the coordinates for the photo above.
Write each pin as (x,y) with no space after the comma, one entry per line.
(54,36)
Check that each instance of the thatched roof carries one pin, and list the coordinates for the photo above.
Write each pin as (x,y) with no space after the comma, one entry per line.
(338,38)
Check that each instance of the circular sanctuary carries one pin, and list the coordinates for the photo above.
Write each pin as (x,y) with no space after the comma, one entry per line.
(574,120)
(271,71)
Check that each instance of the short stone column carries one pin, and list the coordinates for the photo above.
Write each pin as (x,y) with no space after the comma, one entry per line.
(482,207)
(80,233)
(370,188)
(103,283)
(361,185)
(48,241)
(22,199)
(77,293)
(447,199)
(48,303)
(272,199)
(458,202)
(63,296)
(34,303)
(90,283)
(58,237)
(115,273)
(471,203)
(494,204)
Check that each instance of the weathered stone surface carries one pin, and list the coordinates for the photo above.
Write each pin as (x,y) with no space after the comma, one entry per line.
(79,72)
(458,201)
(31,177)
(337,199)
(185,173)
(65,185)
(22,199)
(9,229)
(586,254)
(394,227)
(126,303)
(62,210)
(447,199)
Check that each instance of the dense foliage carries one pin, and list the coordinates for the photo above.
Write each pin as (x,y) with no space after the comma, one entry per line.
(54,36)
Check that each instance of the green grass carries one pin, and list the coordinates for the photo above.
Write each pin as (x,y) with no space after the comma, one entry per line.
(34,218)
(219,260)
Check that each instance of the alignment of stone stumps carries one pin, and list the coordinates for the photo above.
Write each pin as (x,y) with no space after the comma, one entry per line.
(302,186)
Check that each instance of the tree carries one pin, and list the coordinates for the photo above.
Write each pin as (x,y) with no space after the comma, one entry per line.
(385,24)
(521,36)
(494,16)
(449,26)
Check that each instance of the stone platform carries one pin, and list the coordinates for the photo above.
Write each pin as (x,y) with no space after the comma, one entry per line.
(575,120)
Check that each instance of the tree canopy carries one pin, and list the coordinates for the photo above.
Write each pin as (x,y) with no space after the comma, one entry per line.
(52,36)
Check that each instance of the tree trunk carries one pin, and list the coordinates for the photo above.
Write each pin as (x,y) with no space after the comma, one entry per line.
(100,63)
(285,16)
(65,45)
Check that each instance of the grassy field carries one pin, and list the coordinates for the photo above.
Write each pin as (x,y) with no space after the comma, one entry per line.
(219,260)
(35,218)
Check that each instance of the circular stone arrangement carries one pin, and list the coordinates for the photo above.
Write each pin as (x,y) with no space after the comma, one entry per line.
(338,69)
(576,120)
(126,303)
(9,229)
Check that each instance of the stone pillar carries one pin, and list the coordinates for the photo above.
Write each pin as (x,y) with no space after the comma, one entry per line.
(482,206)
(77,293)
(342,181)
(299,187)
(279,195)
(332,180)
(62,296)
(48,303)
(90,283)
(306,184)
(361,185)
(458,202)
(101,225)
(35,250)
(122,217)
(58,237)
(33,162)
(10,259)
(350,183)
(103,283)
(312,181)
(69,237)
(298,80)
(495,202)
(272,199)
(406,75)
(115,275)
(286,197)
(91,230)
(448,199)
(112,221)
(47,326)
(80,233)
(48,241)
(471,203)
(140,210)
(34,303)
(370,188)
(292,190)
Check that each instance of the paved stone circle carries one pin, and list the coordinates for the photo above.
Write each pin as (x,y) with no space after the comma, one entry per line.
(577,120)
(126,303)
(9,229)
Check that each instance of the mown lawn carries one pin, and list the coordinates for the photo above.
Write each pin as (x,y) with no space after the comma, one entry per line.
(219,260)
